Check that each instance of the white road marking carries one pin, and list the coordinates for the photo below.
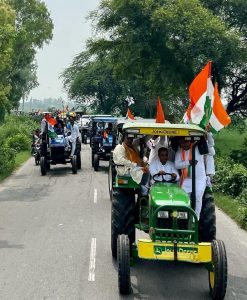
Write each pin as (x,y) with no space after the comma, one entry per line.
(95,196)
(91,275)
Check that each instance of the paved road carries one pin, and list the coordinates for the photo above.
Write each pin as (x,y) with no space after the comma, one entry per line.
(55,243)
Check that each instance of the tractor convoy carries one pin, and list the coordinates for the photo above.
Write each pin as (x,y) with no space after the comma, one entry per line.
(166,214)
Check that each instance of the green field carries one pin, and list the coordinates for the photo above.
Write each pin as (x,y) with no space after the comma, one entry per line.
(228,140)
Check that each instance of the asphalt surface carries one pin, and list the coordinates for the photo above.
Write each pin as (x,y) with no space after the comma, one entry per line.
(55,243)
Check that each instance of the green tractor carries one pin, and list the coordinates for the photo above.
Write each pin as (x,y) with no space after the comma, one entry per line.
(167,216)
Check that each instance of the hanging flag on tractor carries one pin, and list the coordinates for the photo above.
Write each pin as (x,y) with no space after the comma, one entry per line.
(202,94)
(129,115)
(219,117)
(160,116)
(50,120)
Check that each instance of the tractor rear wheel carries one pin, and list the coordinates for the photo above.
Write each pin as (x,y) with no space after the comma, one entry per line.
(122,217)
(74,164)
(43,166)
(207,223)
(123,259)
(111,177)
(218,275)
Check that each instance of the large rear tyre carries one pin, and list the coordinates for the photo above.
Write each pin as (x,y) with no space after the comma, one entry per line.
(43,166)
(207,223)
(111,177)
(74,164)
(123,259)
(122,217)
(96,162)
(218,275)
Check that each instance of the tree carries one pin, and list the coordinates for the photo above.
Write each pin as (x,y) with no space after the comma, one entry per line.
(7,35)
(33,29)
(156,47)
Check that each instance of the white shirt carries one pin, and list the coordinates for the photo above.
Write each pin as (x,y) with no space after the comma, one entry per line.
(43,125)
(75,133)
(156,166)
(126,167)
(200,169)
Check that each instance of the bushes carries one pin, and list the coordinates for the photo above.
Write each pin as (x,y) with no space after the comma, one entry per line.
(240,155)
(15,136)
(19,142)
(7,160)
(231,179)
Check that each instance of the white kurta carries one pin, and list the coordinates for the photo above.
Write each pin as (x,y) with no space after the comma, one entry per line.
(126,167)
(200,176)
(75,133)
(156,166)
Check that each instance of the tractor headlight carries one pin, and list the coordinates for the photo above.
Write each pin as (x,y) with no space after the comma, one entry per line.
(182,215)
(163,214)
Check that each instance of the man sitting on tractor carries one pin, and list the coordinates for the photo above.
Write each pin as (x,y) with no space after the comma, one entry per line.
(162,166)
(183,162)
(129,162)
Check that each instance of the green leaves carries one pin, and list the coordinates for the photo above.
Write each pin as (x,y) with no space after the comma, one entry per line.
(25,25)
(156,47)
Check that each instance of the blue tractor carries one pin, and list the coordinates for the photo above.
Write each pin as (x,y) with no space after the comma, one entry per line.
(103,139)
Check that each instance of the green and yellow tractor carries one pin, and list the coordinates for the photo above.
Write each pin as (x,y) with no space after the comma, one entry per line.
(167,215)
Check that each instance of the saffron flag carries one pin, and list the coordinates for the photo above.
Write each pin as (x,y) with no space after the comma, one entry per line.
(160,116)
(129,115)
(219,117)
(50,120)
(201,93)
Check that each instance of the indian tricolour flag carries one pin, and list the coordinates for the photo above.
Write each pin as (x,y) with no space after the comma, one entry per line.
(205,104)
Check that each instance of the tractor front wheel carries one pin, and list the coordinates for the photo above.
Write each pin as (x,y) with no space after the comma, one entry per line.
(43,166)
(122,217)
(123,259)
(218,274)
(74,164)
(79,160)
(96,162)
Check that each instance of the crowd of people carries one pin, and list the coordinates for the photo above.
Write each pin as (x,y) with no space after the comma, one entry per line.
(167,160)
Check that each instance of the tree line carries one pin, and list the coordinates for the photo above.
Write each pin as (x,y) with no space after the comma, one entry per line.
(150,48)
(25,26)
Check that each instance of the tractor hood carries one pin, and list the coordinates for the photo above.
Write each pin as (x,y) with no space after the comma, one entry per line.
(168,194)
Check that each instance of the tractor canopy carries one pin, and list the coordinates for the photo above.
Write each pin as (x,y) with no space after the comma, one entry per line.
(166,129)
(162,193)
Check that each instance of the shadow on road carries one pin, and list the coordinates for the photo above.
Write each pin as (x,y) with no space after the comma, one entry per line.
(5,244)
(168,280)
(24,194)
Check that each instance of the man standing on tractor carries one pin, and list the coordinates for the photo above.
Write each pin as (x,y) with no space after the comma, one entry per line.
(183,162)
(128,161)
(74,135)
(162,166)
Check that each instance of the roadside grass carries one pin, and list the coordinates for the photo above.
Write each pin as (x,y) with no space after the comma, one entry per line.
(20,158)
(228,140)
(231,207)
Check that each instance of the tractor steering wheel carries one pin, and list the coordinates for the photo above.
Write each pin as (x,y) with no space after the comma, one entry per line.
(163,178)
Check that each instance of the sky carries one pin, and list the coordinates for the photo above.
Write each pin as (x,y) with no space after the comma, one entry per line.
(71,30)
